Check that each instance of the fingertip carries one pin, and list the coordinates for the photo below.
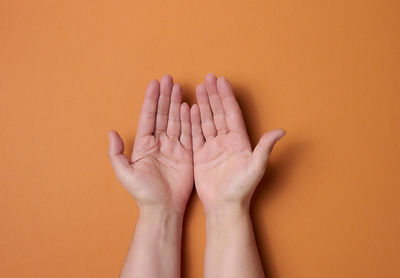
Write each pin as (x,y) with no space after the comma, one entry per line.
(176,95)
(110,132)
(268,141)
(279,133)
(195,114)
(201,94)
(224,87)
(194,109)
(153,89)
(222,81)
(185,112)
(153,83)
(166,84)
(177,86)
(185,106)
(116,152)
(210,77)
(167,78)
(200,88)
(111,148)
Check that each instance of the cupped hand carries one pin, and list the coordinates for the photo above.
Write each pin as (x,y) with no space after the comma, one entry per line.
(226,169)
(159,174)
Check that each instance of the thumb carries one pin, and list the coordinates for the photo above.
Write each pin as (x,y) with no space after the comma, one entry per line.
(263,149)
(118,160)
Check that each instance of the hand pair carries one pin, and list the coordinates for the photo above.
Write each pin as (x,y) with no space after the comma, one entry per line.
(176,145)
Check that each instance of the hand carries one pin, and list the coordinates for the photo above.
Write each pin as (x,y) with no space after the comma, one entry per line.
(160,173)
(226,169)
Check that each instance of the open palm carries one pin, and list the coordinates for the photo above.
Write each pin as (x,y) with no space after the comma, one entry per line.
(160,172)
(226,169)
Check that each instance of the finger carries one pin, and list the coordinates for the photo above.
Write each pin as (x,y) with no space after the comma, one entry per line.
(197,134)
(233,114)
(163,104)
(216,104)
(263,149)
(174,122)
(147,118)
(207,121)
(118,160)
(186,137)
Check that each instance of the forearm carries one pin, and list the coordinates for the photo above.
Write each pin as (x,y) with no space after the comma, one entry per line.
(231,249)
(155,250)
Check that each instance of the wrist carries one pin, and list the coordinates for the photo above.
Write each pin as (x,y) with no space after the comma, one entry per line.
(148,213)
(226,224)
(162,225)
(227,209)
(159,209)
(227,213)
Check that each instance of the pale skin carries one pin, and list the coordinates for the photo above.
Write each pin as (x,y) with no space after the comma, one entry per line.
(159,176)
(174,146)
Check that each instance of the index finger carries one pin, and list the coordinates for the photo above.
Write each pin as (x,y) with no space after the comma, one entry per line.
(147,118)
(233,114)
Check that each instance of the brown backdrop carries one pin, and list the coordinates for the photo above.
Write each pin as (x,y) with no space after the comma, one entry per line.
(326,71)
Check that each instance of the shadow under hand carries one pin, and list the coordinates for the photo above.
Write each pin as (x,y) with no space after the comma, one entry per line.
(269,188)
(277,172)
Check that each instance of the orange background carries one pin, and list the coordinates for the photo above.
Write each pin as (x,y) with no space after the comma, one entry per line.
(326,71)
